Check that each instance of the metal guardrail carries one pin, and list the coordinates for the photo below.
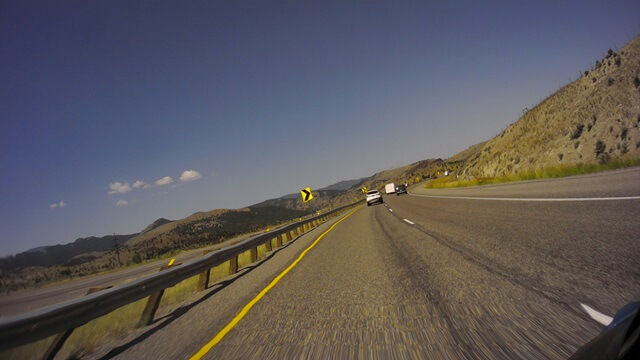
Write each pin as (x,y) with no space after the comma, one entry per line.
(42,323)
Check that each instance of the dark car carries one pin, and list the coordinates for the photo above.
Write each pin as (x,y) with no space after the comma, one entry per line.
(401,189)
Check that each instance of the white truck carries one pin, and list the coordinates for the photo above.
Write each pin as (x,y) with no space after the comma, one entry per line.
(390,188)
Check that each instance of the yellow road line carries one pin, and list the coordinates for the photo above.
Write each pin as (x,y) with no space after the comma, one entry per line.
(216,339)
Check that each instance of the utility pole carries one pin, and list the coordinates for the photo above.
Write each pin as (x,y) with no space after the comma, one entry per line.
(115,241)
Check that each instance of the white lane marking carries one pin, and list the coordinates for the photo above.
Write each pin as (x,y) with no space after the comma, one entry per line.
(597,316)
(409,221)
(531,199)
(391,210)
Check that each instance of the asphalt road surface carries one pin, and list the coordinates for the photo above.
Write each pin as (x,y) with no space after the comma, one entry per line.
(491,272)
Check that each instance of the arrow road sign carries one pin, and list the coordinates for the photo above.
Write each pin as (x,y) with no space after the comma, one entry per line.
(306,194)
(364,190)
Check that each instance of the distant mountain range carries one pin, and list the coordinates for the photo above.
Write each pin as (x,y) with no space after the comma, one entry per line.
(156,224)
(59,254)
(346,184)
(157,236)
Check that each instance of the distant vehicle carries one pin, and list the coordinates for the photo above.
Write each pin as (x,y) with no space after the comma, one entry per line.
(401,189)
(390,188)
(373,197)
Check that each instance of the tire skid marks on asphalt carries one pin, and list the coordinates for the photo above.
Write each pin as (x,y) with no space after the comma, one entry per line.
(518,278)
(594,314)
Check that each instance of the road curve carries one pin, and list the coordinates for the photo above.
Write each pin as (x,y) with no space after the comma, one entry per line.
(434,278)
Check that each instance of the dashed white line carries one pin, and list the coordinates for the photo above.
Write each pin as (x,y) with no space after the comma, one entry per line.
(409,221)
(391,210)
(531,199)
(597,316)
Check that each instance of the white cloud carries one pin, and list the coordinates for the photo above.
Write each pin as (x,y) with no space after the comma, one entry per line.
(164,181)
(140,184)
(190,175)
(61,204)
(119,188)
(122,203)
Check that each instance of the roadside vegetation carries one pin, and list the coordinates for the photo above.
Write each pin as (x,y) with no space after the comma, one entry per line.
(550,172)
(123,321)
(200,231)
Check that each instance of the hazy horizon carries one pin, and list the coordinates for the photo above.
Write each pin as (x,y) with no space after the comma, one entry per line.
(115,114)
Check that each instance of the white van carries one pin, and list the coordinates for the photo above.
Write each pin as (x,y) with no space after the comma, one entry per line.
(390,188)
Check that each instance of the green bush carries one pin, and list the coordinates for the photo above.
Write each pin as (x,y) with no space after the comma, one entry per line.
(577,132)
(599,148)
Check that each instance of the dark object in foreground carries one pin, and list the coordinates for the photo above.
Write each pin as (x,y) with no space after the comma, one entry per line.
(618,340)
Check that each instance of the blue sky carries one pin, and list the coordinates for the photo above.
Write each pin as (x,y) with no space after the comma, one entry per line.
(255,100)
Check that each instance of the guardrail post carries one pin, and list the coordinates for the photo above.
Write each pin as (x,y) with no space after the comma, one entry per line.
(153,302)
(62,337)
(233,265)
(269,245)
(254,254)
(279,240)
(203,281)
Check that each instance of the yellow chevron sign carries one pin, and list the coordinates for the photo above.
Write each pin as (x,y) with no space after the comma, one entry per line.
(306,194)
(364,189)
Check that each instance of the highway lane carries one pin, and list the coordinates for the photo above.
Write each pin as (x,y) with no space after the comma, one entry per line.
(462,278)
(575,250)
(180,331)
(619,183)
(626,183)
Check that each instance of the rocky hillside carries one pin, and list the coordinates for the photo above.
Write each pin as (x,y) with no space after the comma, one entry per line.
(156,224)
(593,119)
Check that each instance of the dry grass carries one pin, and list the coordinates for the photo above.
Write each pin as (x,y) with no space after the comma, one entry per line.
(125,319)
(86,337)
(546,173)
(565,127)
